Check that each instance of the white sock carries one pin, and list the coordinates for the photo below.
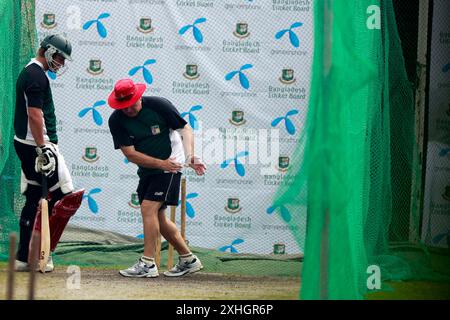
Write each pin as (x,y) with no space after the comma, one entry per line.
(148,260)
(186,257)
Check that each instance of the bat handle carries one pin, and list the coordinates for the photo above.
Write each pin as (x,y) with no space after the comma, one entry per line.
(44,187)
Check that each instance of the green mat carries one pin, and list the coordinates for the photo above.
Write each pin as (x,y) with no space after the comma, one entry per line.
(122,256)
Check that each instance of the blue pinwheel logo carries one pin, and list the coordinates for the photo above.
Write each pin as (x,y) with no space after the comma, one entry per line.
(290,128)
(446,68)
(102,32)
(190,212)
(193,122)
(442,236)
(126,161)
(285,214)
(195,30)
(292,36)
(51,75)
(96,116)
(91,201)
(145,72)
(240,169)
(231,247)
(444,152)
(243,80)
(140,236)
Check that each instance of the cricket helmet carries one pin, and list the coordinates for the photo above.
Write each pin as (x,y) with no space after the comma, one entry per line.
(56,44)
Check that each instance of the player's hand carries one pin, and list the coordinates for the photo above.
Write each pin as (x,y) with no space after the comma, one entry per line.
(45,162)
(171,165)
(196,163)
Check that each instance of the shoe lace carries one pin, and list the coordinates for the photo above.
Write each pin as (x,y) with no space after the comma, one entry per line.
(178,267)
(138,264)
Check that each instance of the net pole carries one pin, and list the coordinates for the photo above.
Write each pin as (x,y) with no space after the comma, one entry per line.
(12,252)
(420,100)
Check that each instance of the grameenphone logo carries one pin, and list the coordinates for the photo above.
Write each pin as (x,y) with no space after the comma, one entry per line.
(196,32)
(232,247)
(101,29)
(444,152)
(92,203)
(190,212)
(243,79)
(443,237)
(284,212)
(239,167)
(193,121)
(289,125)
(446,68)
(147,75)
(293,38)
(96,116)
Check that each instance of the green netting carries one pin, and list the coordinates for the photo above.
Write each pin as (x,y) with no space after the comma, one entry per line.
(17,46)
(357,161)
(358,158)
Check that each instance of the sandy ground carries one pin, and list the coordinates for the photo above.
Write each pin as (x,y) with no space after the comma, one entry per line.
(98,284)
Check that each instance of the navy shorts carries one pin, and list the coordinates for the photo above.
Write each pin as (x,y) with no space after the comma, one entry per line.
(161,187)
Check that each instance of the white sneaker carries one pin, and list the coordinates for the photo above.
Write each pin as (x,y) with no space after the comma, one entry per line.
(185,267)
(140,270)
(21,266)
(49,267)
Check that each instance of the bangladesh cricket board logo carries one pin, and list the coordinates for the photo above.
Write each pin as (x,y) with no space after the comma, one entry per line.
(241,30)
(287,76)
(283,163)
(134,202)
(90,154)
(48,21)
(233,205)
(95,67)
(279,248)
(155,130)
(237,118)
(191,72)
(145,25)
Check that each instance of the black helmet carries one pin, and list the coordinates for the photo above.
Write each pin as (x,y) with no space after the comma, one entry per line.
(60,44)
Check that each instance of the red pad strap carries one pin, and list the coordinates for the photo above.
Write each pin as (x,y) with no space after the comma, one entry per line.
(61,213)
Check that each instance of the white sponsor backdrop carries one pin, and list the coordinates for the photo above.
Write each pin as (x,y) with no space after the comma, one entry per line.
(237,70)
(436,219)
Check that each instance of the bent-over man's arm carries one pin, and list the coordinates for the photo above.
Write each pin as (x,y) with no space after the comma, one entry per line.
(146,161)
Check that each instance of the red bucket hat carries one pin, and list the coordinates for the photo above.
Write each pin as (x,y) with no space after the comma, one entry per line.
(125,94)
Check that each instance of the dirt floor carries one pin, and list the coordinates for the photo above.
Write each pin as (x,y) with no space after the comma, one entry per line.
(98,284)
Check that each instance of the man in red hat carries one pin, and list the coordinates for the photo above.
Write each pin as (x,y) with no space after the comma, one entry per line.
(147,130)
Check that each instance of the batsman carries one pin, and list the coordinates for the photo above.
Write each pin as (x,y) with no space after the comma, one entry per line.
(44,172)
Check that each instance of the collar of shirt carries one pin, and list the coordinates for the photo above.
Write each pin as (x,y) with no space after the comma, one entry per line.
(34,60)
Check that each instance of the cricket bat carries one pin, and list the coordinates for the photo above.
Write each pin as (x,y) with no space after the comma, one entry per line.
(44,251)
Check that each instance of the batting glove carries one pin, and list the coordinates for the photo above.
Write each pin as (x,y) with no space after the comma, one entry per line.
(45,161)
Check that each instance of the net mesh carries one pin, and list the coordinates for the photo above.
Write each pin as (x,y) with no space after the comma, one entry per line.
(356,164)
(17,46)
(358,159)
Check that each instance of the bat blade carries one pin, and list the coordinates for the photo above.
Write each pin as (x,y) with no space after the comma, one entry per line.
(45,236)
